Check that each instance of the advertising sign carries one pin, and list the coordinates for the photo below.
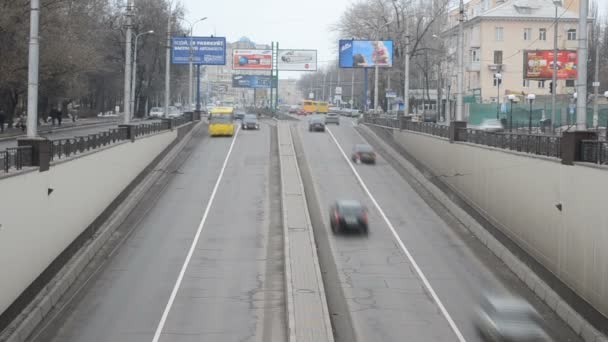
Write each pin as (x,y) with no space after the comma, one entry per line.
(538,64)
(297,60)
(252,60)
(365,53)
(251,81)
(205,50)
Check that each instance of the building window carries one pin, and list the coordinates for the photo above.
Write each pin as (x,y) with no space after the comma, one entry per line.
(497,57)
(541,84)
(527,34)
(474,55)
(542,34)
(572,34)
(526,83)
(499,34)
(570,83)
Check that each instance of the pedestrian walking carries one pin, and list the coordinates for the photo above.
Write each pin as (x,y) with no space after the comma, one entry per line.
(53,115)
(22,122)
(59,114)
(2,120)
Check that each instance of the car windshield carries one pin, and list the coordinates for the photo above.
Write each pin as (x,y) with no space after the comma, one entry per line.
(316,120)
(348,208)
(364,148)
(221,119)
(249,118)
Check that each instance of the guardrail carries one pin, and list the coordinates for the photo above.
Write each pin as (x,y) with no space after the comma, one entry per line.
(422,127)
(15,158)
(594,151)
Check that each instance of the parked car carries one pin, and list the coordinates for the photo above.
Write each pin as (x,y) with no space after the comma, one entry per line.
(316,124)
(506,318)
(250,121)
(491,125)
(332,118)
(173,112)
(348,215)
(157,112)
(363,153)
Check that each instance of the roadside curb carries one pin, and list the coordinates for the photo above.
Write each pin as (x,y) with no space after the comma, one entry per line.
(51,294)
(543,291)
(307,311)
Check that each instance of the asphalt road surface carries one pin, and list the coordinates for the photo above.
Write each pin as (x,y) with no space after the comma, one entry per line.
(232,286)
(385,295)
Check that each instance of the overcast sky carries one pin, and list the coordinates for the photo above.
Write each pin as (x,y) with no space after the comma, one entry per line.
(303,24)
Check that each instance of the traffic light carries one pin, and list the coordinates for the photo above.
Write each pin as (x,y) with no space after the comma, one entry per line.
(550,87)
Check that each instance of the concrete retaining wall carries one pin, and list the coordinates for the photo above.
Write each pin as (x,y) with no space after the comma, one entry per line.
(41,213)
(519,194)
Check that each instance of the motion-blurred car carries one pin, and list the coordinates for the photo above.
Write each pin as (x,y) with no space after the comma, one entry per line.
(173,112)
(293,109)
(302,112)
(491,125)
(506,318)
(239,115)
(332,118)
(157,112)
(363,153)
(348,215)
(250,121)
(316,124)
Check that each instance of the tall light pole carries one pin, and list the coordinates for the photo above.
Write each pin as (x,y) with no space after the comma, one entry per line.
(190,62)
(460,78)
(531,98)
(352,89)
(557,4)
(581,101)
(512,98)
(596,81)
(168,61)
(498,78)
(128,62)
(376,68)
(32,73)
(134,72)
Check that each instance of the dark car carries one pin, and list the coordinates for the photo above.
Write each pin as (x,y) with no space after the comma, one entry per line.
(348,215)
(316,124)
(250,121)
(363,153)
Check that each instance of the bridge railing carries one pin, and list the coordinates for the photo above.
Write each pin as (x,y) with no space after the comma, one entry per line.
(544,145)
(422,127)
(594,151)
(64,148)
(15,158)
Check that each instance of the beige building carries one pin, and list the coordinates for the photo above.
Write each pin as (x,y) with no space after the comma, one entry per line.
(496,34)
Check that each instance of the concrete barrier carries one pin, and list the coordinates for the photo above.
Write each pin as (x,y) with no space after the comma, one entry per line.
(43,212)
(519,193)
(308,316)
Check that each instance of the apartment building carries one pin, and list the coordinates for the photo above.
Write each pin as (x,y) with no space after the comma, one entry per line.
(496,34)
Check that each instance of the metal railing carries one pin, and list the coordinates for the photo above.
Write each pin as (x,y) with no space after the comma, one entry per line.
(64,148)
(15,158)
(543,145)
(149,128)
(594,151)
(422,127)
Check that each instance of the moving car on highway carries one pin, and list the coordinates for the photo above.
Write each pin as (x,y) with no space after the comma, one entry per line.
(250,121)
(332,118)
(506,318)
(348,215)
(316,124)
(491,125)
(363,153)
(221,122)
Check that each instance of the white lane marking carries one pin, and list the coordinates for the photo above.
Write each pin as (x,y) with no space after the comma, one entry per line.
(178,282)
(425,281)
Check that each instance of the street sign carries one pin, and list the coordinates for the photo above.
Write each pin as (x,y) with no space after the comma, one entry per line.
(391,93)
(338,91)
(596,84)
(311,95)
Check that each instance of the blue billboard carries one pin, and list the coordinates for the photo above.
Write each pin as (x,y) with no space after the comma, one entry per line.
(205,50)
(365,53)
(251,81)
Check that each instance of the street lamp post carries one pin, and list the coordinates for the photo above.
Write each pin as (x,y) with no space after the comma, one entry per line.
(606,96)
(134,71)
(498,78)
(191,61)
(128,61)
(557,4)
(33,70)
(530,98)
(376,68)
(512,98)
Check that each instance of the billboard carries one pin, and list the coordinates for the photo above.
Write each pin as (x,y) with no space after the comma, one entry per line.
(252,60)
(365,53)
(538,64)
(205,50)
(251,81)
(297,60)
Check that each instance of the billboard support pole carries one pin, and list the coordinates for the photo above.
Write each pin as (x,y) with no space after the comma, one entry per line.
(168,62)
(581,103)
(198,87)
(275,59)
(554,76)
(365,89)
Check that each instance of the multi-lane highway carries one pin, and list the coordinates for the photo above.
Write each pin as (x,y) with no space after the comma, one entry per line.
(203,260)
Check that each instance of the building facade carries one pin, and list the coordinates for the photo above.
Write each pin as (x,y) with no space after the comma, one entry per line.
(496,35)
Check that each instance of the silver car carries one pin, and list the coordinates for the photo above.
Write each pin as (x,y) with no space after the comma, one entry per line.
(332,118)
(491,125)
(506,318)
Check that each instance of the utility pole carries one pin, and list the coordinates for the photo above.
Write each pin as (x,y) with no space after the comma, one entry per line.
(460,81)
(581,100)
(406,82)
(128,61)
(33,67)
(596,83)
(352,89)
(554,77)
(168,62)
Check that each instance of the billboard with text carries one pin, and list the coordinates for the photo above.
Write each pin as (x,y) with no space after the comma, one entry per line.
(251,81)
(297,60)
(365,53)
(252,60)
(205,50)
(538,64)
